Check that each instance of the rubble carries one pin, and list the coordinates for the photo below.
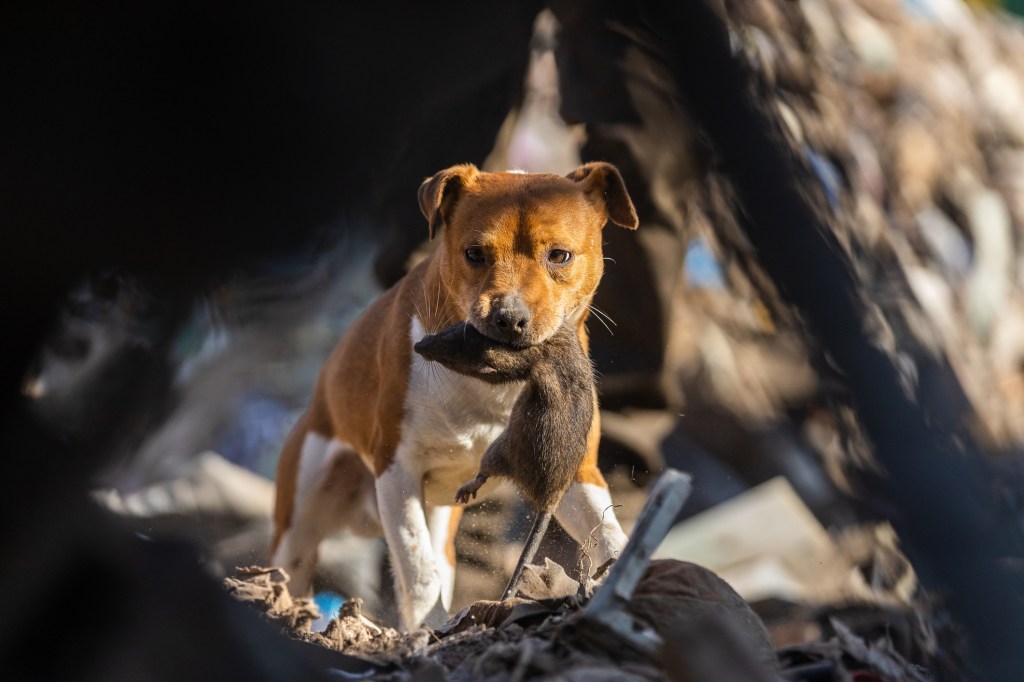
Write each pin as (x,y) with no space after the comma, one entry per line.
(768,545)
(638,620)
(910,119)
(709,633)
(266,588)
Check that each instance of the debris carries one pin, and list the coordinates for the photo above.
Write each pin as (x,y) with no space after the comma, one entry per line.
(608,608)
(708,632)
(547,582)
(492,614)
(848,656)
(352,632)
(881,658)
(768,545)
(678,596)
(267,589)
(715,649)
(211,486)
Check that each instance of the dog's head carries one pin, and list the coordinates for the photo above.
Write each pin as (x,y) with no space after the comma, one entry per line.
(522,251)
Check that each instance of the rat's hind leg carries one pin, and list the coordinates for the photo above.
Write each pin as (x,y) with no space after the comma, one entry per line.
(491,464)
(467,491)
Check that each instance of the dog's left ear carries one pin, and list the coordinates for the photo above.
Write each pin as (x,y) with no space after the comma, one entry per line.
(438,194)
(602,183)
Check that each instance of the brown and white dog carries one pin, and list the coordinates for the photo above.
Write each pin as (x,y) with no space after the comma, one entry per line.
(389,437)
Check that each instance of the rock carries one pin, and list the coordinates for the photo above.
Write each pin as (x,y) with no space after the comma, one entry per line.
(828,175)
(352,632)
(1002,93)
(989,283)
(547,582)
(869,169)
(792,122)
(917,162)
(875,50)
(760,51)
(267,590)
(945,242)
(935,298)
(823,24)
(675,594)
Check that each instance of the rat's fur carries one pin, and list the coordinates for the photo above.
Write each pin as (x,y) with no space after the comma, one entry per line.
(546,438)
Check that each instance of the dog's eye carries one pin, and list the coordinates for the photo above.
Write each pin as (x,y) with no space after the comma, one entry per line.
(475,255)
(559,256)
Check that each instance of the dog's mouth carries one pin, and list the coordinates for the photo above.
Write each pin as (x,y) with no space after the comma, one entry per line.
(483,331)
(521,340)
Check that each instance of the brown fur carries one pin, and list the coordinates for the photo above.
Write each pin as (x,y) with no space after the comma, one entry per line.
(546,439)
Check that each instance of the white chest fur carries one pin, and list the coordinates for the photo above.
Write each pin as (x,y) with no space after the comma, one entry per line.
(450,419)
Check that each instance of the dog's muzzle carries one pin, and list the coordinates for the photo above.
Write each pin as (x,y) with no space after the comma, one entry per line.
(509,321)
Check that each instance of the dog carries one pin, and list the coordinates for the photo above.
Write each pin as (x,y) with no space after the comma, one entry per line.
(389,437)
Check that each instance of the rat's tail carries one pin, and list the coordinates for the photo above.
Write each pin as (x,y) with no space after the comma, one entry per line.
(540,527)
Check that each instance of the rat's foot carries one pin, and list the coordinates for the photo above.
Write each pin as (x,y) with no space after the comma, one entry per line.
(467,491)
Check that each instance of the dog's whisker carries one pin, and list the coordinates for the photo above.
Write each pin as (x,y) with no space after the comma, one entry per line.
(437,299)
(415,302)
(605,325)
(601,320)
(447,292)
(426,298)
(419,313)
(597,311)
(435,375)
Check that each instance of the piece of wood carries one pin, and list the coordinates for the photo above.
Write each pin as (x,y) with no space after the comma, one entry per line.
(607,608)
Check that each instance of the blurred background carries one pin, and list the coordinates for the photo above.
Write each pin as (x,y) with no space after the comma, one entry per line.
(201,201)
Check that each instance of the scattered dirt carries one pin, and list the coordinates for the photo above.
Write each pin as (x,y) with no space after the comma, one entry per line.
(705,626)
(267,590)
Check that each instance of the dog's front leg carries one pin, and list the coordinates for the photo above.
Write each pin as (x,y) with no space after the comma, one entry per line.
(443,522)
(587,515)
(417,579)
(586,510)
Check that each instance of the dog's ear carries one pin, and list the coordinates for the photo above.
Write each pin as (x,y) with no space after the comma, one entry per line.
(438,194)
(602,183)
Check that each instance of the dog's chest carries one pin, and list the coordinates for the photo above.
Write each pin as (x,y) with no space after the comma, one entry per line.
(450,419)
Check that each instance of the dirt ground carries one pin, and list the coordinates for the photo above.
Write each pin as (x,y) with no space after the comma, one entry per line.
(703,631)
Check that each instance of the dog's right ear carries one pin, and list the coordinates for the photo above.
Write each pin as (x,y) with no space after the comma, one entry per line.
(438,194)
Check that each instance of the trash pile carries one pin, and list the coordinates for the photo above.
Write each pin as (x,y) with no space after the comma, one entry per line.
(909,115)
(637,620)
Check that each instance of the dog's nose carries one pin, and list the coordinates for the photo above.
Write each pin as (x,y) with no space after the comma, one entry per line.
(509,320)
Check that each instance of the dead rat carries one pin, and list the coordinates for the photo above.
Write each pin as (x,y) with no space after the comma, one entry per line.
(545,441)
